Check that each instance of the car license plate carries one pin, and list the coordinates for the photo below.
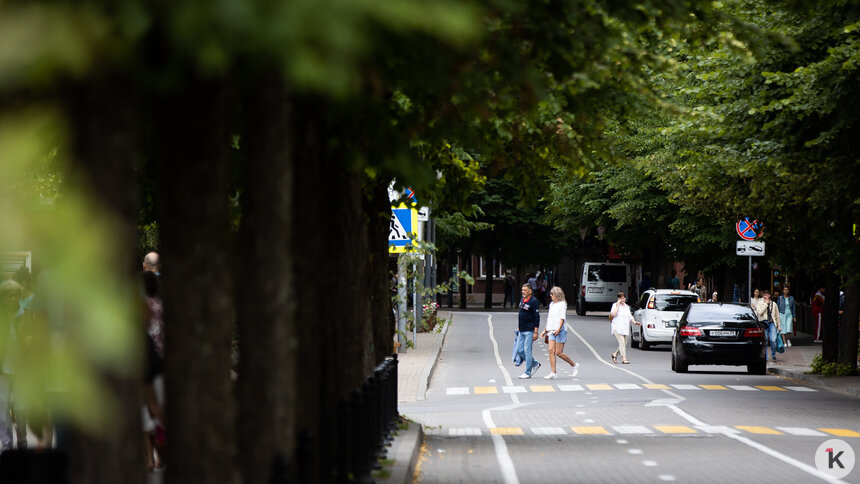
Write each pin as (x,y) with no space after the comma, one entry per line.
(723,333)
(597,290)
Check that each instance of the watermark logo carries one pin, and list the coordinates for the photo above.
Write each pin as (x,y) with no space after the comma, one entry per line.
(835,458)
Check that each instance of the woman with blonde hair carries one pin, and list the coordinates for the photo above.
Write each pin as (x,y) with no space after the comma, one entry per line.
(557,333)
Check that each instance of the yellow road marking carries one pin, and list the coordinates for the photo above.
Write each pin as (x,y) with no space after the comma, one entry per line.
(675,429)
(542,388)
(758,430)
(507,431)
(590,430)
(484,390)
(770,388)
(841,432)
(599,386)
(656,386)
(713,387)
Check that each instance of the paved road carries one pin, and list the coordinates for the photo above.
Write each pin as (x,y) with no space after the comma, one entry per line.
(615,423)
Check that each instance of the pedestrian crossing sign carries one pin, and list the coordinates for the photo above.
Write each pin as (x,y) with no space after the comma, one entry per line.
(402,229)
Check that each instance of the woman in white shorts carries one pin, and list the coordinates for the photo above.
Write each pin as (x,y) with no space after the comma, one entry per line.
(557,332)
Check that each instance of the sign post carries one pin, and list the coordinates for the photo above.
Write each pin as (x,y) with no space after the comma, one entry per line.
(749,229)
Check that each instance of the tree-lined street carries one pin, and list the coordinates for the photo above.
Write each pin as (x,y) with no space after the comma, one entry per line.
(633,423)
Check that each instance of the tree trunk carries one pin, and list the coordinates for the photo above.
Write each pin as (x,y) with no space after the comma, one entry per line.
(830,327)
(488,289)
(848,326)
(106,152)
(461,285)
(268,380)
(197,291)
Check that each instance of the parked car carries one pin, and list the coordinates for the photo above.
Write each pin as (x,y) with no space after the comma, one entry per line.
(599,284)
(719,334)
(659,311)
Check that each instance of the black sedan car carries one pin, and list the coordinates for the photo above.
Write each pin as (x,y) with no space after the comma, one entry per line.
(719,334)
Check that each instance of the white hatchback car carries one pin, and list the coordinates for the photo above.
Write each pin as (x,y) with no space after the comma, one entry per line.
(659,311)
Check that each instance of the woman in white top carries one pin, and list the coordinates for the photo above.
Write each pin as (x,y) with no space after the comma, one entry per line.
(620,318)
(557,332)
(756,299)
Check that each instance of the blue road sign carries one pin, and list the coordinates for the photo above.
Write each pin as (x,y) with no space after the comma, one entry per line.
(404,222)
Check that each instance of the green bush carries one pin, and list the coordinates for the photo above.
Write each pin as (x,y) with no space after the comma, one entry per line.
(830,368)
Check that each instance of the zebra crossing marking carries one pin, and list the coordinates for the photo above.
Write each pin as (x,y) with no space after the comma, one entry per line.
(599,386)
(841,432)
(591,387)
(676,429)
(596,430)
(753,429)
(667,430)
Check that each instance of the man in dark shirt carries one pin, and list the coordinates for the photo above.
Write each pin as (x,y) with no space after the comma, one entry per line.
(529,323)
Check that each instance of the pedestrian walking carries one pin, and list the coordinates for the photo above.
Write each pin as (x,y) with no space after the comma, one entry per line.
(786,305)
(557,333)
(768,313)
(528,325)
(620,318)
(818,312)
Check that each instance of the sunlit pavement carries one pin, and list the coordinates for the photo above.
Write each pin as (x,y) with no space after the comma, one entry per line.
(615,423)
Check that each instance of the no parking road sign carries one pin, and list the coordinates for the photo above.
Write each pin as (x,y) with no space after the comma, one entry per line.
(749,228)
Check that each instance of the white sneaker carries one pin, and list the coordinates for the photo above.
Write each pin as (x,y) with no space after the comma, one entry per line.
(524,376)
(551,376)
(575,370)
(788,344)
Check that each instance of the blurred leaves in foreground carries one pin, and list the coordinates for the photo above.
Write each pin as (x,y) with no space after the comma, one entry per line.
(83,322)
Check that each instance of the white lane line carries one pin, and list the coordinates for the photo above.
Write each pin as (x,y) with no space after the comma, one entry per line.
(666,477)
(716,429)
(506,464)
(743,388)
(649,463)
(634,451)
(621,441)
(469,431)
(627,386)
(548,431)
(617,367)
(801,389)
(457,391)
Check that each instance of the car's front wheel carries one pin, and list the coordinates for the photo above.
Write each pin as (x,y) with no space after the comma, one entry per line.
(580,307)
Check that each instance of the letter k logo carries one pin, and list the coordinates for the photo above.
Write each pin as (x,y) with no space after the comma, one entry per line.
(831,459)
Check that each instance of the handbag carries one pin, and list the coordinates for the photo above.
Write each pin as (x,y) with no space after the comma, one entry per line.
(546,339)
(780,345)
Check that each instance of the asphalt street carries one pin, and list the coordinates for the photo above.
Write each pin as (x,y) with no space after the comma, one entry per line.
(614,423)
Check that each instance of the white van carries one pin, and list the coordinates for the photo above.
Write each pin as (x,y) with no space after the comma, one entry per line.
(599,285)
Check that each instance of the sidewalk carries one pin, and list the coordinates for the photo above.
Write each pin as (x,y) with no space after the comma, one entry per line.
(796,362)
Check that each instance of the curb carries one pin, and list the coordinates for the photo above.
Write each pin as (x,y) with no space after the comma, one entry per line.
(427,373)
(814,380)
(404,452)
